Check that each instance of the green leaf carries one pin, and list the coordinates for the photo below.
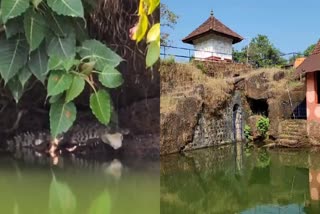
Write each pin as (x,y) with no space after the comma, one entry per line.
(16,88)
(76,88)
(13,56)
(58,82)
(99,53)
(13,8)
(35,28)
(154,33)
(24,75)
(55,98)
(62,115)
(72,8)
(110,77)
(101,205)
(62,47)
(141,28)
(61,198)
(36,3)
(55,63)
(38,63)
(68,63)
(100,104)
(59,25)
(153,53)
(13,27)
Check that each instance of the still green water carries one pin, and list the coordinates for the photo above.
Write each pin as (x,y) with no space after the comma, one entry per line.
(233,179)
(77,186)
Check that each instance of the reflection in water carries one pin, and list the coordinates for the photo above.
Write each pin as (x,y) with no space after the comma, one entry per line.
(224,180)
(79,186)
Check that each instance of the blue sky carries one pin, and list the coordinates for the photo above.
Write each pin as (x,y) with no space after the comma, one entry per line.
(291,25)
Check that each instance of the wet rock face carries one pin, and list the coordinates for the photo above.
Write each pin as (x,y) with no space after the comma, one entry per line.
(177,127)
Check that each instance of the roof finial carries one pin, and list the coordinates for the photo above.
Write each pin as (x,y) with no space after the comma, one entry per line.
(211,13)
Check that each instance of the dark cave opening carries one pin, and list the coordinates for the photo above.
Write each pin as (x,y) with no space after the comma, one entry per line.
(259,107)
(300,111)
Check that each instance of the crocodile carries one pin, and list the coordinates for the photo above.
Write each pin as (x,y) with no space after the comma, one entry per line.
(79,137)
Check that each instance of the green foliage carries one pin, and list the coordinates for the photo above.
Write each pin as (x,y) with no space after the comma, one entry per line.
(263,125)
(62,116)
(247,133)
(146,8)
(49,40)
(100,103)
(239,56)
(260,53)
(309,50)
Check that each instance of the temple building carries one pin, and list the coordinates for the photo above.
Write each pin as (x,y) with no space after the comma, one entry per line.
(311,68)
(213,40)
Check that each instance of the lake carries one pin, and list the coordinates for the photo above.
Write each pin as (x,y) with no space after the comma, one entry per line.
(76,185)
(236,179)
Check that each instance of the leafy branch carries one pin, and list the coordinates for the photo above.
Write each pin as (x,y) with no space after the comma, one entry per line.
(49,40)
(146,8)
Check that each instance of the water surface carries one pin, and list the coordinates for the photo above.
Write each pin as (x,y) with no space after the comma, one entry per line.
(232,179)
(79,186)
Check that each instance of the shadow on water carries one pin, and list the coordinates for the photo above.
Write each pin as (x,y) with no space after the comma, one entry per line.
(78,185)
(234,179)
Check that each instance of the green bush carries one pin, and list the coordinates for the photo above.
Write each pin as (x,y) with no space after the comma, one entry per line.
(263,125)
(247,133)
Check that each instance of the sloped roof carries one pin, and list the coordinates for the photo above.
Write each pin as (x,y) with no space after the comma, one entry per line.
(312,63)
(212,25)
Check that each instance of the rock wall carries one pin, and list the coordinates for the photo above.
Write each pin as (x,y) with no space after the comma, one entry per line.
(217,130)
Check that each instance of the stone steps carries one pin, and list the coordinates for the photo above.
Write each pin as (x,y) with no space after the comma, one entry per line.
(292,133)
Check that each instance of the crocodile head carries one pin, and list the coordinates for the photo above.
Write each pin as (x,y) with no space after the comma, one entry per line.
(114,139)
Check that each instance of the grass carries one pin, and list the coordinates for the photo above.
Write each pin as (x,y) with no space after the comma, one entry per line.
(180,80)
(277,87)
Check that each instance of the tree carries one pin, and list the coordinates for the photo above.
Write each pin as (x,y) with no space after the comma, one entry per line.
(309,50)
(262,53)
(239,56)
(168,21)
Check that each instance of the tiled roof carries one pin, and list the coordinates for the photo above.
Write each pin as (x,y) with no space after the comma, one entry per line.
(316,49)
(212,25)
(312,63)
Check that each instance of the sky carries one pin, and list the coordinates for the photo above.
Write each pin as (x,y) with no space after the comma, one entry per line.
(291,25)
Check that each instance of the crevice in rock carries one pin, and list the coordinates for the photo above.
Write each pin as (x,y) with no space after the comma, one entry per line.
(200,113)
